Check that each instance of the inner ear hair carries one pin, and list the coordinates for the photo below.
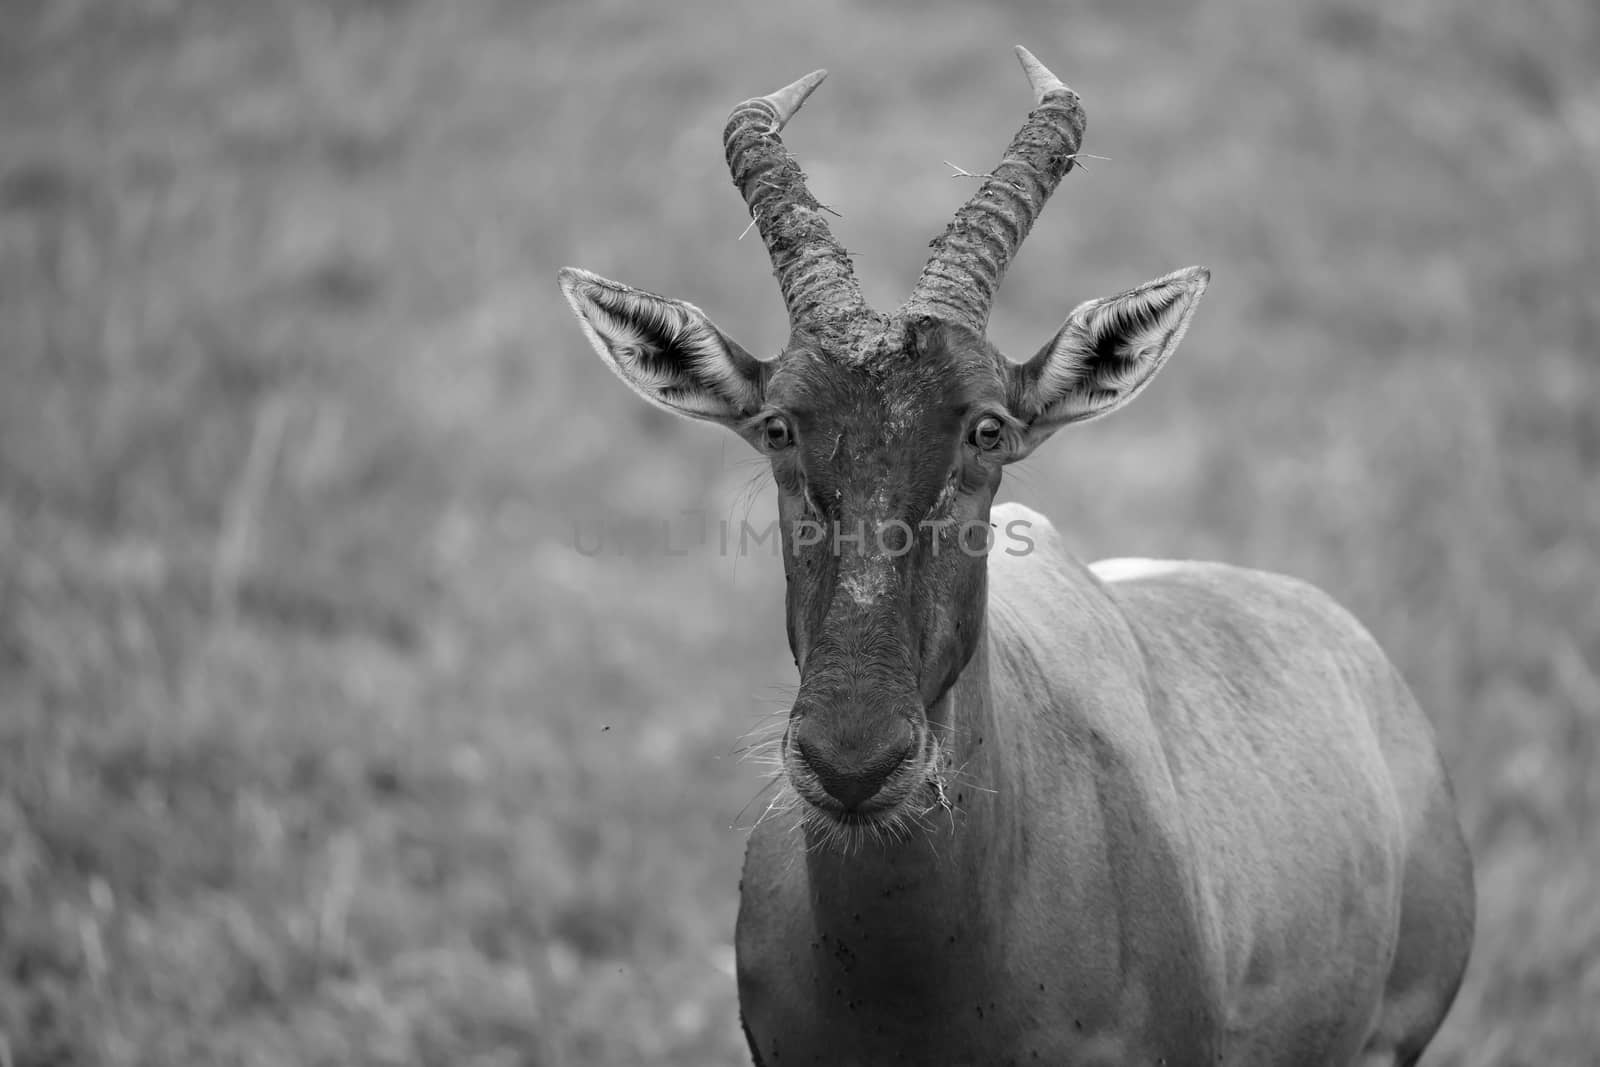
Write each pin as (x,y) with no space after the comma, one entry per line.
(1108,351)
(668,351)
(1150,316)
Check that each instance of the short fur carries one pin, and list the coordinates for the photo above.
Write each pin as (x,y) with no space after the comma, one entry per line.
(1201,820)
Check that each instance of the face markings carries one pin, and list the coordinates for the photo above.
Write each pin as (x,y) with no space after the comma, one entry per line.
(878,488)
(864,585)
(875,452)
(898,422)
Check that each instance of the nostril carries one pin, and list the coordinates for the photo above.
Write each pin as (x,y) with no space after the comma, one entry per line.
(854,776)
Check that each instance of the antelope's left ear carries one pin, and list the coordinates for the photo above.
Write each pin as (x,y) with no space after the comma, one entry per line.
(1105,353)
(668,351)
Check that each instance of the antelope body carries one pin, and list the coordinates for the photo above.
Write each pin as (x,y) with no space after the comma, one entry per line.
(1039,812)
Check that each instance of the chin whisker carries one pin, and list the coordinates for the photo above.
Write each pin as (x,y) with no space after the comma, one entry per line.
(768,727)
(767,753)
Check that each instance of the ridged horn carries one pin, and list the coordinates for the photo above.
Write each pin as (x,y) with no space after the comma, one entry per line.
(812,268)
(971,256)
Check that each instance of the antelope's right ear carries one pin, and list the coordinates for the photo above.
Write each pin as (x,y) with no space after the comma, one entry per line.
(666,350)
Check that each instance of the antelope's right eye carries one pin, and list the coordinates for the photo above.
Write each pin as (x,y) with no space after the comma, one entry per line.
(776,434)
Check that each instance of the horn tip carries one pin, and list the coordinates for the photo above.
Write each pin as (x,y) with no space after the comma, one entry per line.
(786,101)
(1039,76)
(806,86)
(802,87)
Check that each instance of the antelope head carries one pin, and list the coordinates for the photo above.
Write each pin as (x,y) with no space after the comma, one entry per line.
(887,434)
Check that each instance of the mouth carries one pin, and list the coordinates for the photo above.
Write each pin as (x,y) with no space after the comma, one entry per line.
(915,787)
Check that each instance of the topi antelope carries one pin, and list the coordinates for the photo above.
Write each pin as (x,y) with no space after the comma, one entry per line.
(1134,812)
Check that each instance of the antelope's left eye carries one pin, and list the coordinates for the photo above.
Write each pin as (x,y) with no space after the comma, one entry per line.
(987,433)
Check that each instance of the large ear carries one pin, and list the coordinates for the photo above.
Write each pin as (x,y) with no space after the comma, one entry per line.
(1105,353)
(667,351)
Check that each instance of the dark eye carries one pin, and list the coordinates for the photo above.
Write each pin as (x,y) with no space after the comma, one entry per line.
(775,433)
(986,434)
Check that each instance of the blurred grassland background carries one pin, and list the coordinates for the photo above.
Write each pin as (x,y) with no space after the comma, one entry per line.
(320,744)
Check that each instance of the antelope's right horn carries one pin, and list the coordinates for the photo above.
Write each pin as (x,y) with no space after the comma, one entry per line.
(813,269)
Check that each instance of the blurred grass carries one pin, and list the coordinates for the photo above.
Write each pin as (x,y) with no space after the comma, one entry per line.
(321,745)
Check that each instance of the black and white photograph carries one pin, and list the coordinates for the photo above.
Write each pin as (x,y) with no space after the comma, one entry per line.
(555,534)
